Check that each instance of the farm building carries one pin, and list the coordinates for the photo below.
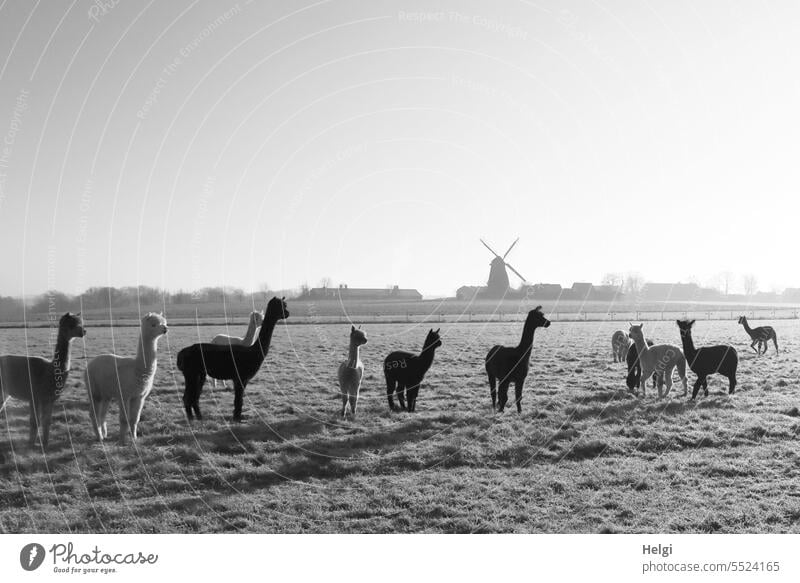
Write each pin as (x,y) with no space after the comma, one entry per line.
(343,292)
(547,291)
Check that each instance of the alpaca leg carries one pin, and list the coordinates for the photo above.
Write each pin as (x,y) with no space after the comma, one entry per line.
(390,388)
(188,395)
(45,419)
(697,384)
(137,404)
(124,420)
(344,405)
(668,381)
(105,404)
(518,394)
(732,383)
(354,403)
(94,410)
(753,346)
(493,391)
(763,343)
(412,398)
(503,396)
(775,341)
(238,399)
(401,394)
(33,432)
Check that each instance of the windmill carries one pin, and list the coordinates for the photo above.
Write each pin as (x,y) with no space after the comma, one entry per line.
(498,284)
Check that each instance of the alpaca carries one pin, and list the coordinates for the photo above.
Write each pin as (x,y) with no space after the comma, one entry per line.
(125,380)
(250,336)
(351,371)
(404,371)
(661,359)
(619,345)
(707,360)
(237,363)
(760,336)
(635,369)
(40,381)
(511,363)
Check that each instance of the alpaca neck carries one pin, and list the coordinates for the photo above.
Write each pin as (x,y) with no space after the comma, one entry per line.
(689,350)
(61,361)
(250,336)
(146,355)
(526,341)
(641,345)
(747,327)
(353,355)
(426,356)
(261,346)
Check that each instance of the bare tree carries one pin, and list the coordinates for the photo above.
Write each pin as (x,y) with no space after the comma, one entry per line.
(614,279)
(325,282)
(634,282)
(750,283)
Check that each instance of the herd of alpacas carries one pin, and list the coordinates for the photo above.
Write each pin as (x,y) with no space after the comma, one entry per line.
(128,380)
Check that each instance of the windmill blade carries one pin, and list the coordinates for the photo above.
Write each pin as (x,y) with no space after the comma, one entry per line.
(519,275)
(489,248)
(510,248)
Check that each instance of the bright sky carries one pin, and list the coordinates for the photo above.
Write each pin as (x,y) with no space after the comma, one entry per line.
(191,143)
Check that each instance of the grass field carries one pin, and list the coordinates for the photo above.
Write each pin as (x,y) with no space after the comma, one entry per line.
(584,456)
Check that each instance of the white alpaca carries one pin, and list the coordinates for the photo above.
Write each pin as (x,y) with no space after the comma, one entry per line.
(125,380)
(619,346)
(256,319)
(351,371)
(661,358)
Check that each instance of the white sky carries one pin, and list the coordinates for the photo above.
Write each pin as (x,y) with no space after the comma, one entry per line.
(352,140)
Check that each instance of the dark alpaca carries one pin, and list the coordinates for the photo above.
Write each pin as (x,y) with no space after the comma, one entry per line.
(760,336)
(507,364)
(227,362)
(404,371)
(635,369)
(707,360)
(38,380)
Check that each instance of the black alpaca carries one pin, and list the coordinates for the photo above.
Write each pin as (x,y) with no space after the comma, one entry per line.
(635,369)
(227,362)
(707,360)
(507,364)
(404,371)
(760,336)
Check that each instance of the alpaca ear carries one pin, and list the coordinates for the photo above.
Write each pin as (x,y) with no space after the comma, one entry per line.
(352,328)
(692,322)
(641,324)
(678,322)
(437,330)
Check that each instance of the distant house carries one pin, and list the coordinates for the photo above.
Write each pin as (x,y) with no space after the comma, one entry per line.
(343,292)
(468,292)
(547,291)
(581,291)
(606,293)
(671,291)
(791,294)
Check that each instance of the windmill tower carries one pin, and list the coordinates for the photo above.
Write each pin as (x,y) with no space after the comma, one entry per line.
(498,284)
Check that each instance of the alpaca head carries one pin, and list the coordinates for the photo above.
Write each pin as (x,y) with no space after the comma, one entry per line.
(742,319)
(357,336)
(153,326)
(256,318)
(635,332)
(72,325)
(685,326)
(276,310)
(432,340)
(536,317)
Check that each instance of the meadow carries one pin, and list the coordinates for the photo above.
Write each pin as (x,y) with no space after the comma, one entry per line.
(586,455)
